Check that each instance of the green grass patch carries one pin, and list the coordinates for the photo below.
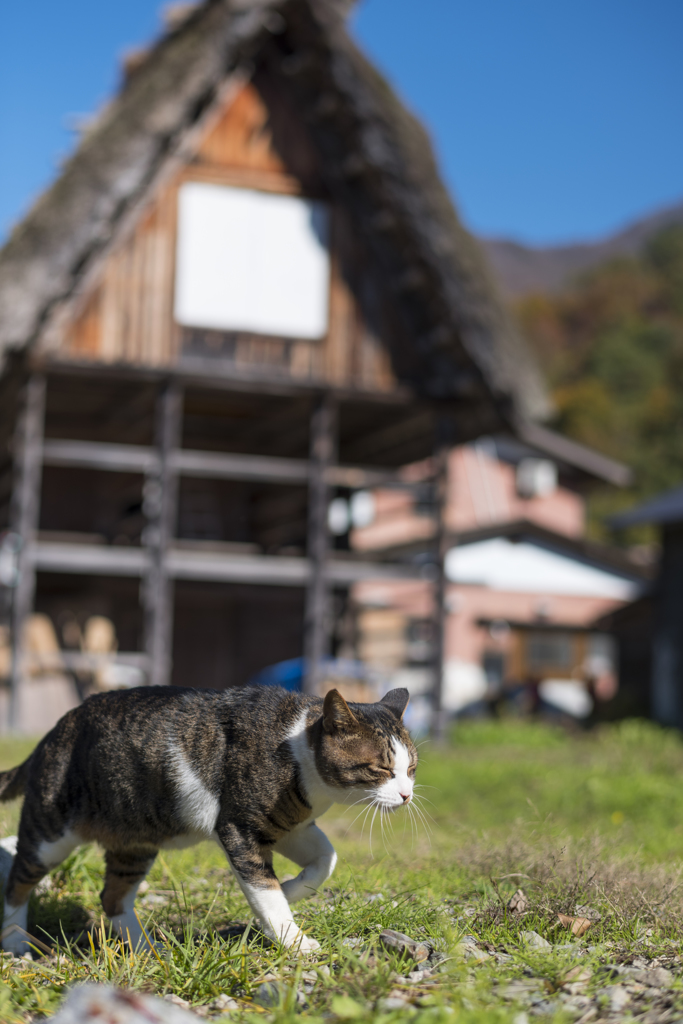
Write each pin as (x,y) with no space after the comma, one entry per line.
(585,825)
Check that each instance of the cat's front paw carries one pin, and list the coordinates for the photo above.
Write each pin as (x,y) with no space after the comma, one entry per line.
(306,945)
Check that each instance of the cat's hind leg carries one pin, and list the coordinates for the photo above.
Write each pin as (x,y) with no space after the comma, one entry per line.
(309,847)
(125,871)
(32,861)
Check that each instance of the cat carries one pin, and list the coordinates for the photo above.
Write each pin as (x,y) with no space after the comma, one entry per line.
(163,768)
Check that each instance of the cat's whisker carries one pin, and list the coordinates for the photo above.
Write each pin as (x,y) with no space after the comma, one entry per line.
(425,799)
(423,819)
(412,826)
(372,825)
(426,812)
(363,800)
(365,813)
(387,828)
(419,818)
(385,815)
(365,820)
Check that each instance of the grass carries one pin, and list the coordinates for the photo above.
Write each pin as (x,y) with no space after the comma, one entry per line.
(592,821)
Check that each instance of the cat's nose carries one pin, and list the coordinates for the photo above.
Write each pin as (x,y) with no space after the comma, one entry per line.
(405,797)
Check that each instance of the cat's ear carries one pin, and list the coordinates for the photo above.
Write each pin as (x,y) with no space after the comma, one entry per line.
(337,715)
(396,701)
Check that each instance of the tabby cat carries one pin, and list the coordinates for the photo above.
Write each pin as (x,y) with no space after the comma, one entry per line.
(163,768)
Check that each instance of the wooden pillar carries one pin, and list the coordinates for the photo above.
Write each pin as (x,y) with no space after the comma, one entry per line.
(666,688)
(441,545)
(28,457)
(161,508)
(317,625)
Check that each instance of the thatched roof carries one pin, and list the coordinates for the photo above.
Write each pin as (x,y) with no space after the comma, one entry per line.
(376,159)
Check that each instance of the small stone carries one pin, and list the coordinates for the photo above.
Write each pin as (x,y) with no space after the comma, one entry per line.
(544,1007)
(659,977)
(171,997)
(468,951)
(402,944)
(225,1002)
(392,1003)
(270,994)
(154,900)
(577,975)
(577,1003)
(535,940)
(520,1018)
(618,998)
(521,991)
(92,1002)
(415,977)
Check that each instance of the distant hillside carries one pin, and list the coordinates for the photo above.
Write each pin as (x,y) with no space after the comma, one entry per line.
(521,270)
(611,348)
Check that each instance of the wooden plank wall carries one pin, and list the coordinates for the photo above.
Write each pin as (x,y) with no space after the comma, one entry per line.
(128,317)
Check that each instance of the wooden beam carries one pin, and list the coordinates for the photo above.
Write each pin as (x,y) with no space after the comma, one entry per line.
(160,504)
(317,614)
(214,374)
(130,458)
(89,559)
(25,520)
(204,563)
(240,467)
(118,458)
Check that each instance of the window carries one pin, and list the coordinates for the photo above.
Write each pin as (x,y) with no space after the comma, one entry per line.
(547,651)
(251,261)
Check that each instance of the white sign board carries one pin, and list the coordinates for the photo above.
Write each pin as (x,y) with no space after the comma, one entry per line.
(251,261)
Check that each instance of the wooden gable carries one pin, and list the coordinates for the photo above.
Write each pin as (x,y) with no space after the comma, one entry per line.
(253,139)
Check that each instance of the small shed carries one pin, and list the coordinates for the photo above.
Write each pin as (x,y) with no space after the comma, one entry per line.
(246,290)
(662,614)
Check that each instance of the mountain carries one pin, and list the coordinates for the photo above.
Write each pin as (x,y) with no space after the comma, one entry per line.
(521,269)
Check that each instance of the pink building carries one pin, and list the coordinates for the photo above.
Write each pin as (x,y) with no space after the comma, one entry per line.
(523,585)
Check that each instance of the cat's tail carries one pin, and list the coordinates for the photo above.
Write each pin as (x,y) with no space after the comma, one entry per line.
(13,781)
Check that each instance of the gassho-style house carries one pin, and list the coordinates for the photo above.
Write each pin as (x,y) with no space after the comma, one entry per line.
(246,293)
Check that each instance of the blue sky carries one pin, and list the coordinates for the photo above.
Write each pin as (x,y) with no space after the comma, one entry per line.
(553,120)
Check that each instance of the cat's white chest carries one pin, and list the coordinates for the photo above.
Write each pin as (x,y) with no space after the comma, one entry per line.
(318,794)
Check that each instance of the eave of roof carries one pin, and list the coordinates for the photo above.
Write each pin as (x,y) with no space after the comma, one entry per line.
(599,556)
(665,508)
(571,453)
